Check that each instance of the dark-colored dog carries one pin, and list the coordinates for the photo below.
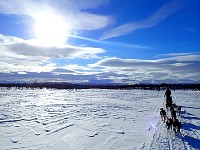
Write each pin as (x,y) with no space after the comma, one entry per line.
(173,113)
(162,114)
(169,123)
(177,125)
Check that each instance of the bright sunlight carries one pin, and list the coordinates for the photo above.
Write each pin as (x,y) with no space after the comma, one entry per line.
(50,29)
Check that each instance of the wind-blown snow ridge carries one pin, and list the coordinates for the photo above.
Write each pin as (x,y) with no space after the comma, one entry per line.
(10,120)
(60,128)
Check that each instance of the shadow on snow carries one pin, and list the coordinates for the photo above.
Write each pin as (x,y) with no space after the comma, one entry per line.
(189,126)
(191,118)
(195,143)
(190,107)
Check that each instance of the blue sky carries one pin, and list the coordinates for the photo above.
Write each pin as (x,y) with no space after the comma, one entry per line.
(100,41)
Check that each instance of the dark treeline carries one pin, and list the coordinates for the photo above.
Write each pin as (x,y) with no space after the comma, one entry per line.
(64,85)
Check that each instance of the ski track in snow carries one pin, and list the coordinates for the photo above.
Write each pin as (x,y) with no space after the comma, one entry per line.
(95,119)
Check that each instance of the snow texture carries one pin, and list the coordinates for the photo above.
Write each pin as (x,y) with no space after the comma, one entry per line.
(91,119)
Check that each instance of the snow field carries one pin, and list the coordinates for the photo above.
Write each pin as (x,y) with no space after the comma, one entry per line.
(94,119)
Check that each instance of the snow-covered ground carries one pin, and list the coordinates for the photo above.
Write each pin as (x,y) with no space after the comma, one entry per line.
(95,120)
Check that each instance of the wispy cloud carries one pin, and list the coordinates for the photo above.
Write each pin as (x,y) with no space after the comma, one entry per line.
(177,54)
(160,15)
(74,12)
(119,44)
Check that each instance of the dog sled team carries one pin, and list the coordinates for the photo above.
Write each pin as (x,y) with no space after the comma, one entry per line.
(171,122)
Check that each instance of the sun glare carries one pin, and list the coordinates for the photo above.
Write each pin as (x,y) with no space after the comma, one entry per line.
(50,30)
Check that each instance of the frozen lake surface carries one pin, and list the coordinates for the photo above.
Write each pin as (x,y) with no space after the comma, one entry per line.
(95,119)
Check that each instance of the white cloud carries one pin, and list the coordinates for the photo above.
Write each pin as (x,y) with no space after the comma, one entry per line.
(22,59)
(111,70)
(86,21)
(74,12)
(75,70)
(176,54)
(18,56)
(160,15)
(67,51)
(173,68)
(18,51)
(10,68)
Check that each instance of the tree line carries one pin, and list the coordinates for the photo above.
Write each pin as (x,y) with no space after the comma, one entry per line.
(64,85)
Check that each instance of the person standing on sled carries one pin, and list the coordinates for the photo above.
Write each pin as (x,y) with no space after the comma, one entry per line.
(167,92)
(168,98)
